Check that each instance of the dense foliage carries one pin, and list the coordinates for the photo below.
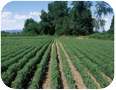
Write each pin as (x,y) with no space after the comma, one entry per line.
(80,67)
(7,76)
(100,36)
(80,14)
(28,69)
(66,69)
(112,26)
(76,20)
(54,73)
(37,79)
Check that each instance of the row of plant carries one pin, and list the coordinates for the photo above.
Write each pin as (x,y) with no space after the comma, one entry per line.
(66,69)
(13,45)
(11,72)
(54,71)
(5,59)
(107,68)
(19,50)
(93,68)
(7,50)
(17,45)
(6,64)
(100,55)
(4,55)
(99,52)
(24,75)
(41,69)
(90,84)
(89,48)
(104,48)
(103,59)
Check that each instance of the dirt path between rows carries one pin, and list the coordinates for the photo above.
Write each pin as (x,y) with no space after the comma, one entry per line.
(77,77)
(109,79)
(99,86)
(46,84)
(94,79)
(65,86)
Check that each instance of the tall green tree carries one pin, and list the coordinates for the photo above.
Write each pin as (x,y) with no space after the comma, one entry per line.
(57,11)
(81,18)
(112,26)
(66,26)
(28,21)
(31,27)
(46,26)
(44,23)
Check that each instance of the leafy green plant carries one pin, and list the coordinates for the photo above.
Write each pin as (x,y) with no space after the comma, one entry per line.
(54,73)
(40,70)
(66,69)
(28,69)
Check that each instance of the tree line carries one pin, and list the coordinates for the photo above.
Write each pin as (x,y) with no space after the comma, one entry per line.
(61,19)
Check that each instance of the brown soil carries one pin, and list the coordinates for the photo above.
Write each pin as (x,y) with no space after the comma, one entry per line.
(109,79)
(76,58)
(65,86)
(94,79)
(83,38)
(77,77)
(80,38)
(64,36)
(46,84)
(99,86)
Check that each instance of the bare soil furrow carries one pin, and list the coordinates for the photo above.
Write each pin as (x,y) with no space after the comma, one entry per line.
(77,77)
(65,86)
(99,86)
(46,84)
(109,79)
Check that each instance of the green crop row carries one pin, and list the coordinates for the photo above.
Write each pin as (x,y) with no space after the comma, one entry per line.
(5,59)
(105,67)
(92,50)
(14,46)
(9,48)
(90,84)
(24,74)
(54,72)
(19,50)
(10,74)
(40,70)
(66,69)
(100,54)
(4,55)
(93,68)
(6,64)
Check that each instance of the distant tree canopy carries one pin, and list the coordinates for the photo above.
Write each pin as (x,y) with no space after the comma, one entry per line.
(61,20)
(112,26)
(31,27)
(81,18)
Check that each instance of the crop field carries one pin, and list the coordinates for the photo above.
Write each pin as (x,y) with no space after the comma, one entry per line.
(56,63)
